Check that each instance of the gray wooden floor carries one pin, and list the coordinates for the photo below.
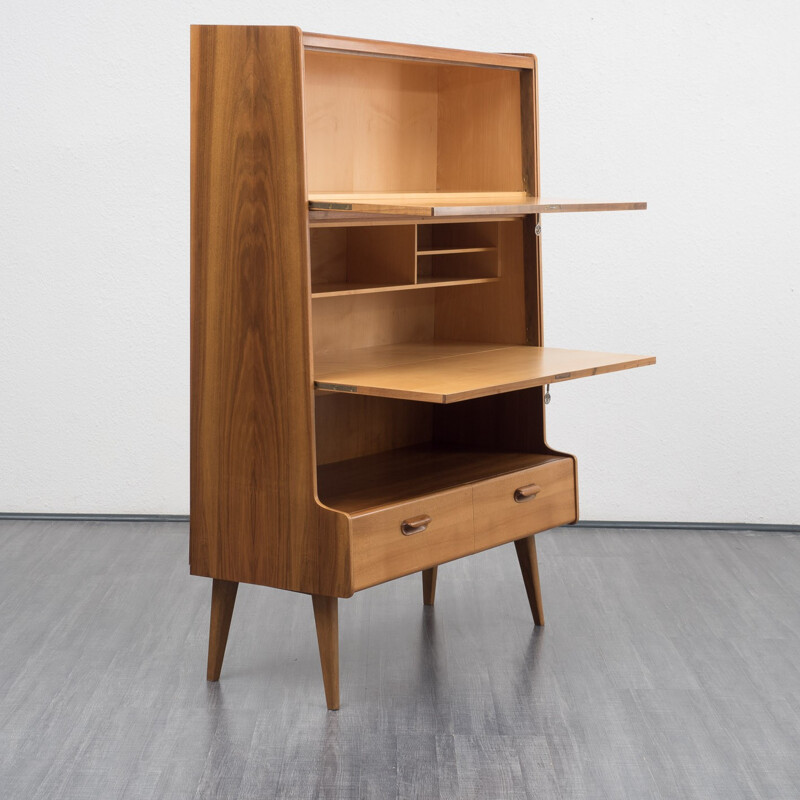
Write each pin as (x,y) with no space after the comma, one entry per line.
(670,667)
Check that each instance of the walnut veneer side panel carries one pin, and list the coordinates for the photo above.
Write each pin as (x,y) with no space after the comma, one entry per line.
(254,516)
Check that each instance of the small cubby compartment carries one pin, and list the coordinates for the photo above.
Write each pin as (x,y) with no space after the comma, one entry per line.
(348,259)
(457,251)
(456,237)
(364,259)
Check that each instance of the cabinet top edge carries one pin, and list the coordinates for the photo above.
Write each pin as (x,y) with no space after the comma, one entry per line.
(326,42)
(421,52)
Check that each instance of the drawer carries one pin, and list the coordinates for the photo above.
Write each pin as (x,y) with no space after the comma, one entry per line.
(546,499)
(381,551)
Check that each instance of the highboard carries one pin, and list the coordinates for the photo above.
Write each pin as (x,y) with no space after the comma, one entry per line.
(367,363)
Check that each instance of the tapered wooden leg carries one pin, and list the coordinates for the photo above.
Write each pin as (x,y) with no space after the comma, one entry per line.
(326,615)
(526,553)
(223,597)
(429,585)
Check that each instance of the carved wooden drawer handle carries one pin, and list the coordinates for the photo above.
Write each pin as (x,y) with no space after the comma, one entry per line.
(526,493)
(416,525)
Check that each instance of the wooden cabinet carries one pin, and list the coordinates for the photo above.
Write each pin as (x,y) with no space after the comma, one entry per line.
(368,359)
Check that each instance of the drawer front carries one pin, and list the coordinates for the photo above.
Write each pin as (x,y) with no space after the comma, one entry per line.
(381,551)
(545,498)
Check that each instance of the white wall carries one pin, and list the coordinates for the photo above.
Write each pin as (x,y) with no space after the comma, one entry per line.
(690,105)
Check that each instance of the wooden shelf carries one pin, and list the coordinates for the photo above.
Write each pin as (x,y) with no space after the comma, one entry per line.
(447,372)
(456,204)
(456,250)
(393,476)
(428,281)
(340,289)
(344,287)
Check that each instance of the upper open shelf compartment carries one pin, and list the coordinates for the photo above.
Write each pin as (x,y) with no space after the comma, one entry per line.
(416,139)
(458,204)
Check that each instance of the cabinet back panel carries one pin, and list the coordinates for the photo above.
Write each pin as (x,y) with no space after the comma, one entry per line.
(363,255)
(513,422)
(488,312)
(328,255)
(368,320)
(351,426)
(370,123)
(479,130)
(447,235)
(393,125)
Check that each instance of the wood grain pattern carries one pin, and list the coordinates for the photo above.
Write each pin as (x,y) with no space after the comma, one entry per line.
(370,123)
(381,255)
(381,552)
(223,599)
(400,354)
(352,426)
(395,476)
(448,204)
(328,253)
(434,378)
(326,619)
(358,256)
(509,422)
(253,513)
(529,566)
(461,236)
(429,585)
(371,320)
(478,130)
(499,518)
(382,124)
(494,313)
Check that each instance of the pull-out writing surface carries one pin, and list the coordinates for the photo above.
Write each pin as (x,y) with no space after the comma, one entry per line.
(459,204)
(448,372)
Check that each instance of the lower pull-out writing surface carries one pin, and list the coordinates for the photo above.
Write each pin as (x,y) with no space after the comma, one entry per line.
(447,372)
